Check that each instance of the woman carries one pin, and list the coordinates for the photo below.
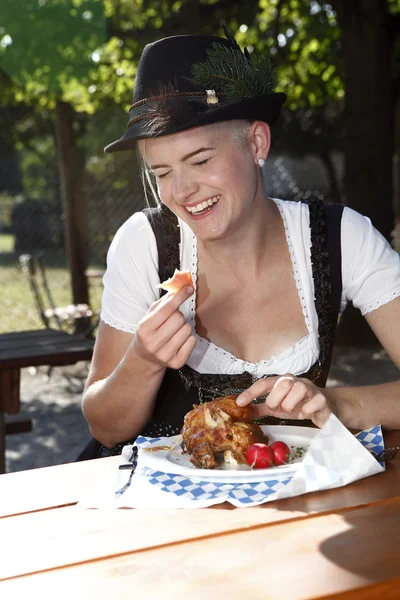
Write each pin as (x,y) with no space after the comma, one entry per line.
(261,317)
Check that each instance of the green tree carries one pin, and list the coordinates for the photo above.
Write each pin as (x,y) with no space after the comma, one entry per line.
(45,48)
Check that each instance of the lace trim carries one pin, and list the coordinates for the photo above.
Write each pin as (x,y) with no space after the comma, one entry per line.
(213,347)
(322,278)
(380,302)
(296,272)
(284,355)
(193,269)
(117,325)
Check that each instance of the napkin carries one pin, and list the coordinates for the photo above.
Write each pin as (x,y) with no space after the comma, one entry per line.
(334,458)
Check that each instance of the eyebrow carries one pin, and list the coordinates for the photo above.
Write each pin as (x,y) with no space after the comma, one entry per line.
(186,157)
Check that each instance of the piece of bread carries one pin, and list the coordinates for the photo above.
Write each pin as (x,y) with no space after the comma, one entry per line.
(179,280)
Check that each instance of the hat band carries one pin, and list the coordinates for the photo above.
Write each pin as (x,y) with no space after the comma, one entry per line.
(139,110)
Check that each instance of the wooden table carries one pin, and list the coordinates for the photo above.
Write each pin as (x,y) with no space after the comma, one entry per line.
(341,544)
(33,348)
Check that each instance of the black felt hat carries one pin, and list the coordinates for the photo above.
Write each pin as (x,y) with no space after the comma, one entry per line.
(187,81)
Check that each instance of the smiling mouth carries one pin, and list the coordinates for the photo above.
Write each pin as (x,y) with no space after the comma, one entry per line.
(203,207)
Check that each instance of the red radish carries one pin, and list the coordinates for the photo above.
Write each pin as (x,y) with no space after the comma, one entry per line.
(259,456)
(281,453)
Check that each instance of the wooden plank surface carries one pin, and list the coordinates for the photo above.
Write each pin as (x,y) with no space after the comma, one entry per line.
(47,346)
(386,590)
(49,487)
(68,536)
(116,551)
(309,558)
(86,535)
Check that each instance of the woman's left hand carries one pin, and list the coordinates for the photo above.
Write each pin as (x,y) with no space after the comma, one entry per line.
(288,397)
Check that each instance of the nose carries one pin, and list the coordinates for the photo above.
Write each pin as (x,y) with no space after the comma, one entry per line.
(184,185)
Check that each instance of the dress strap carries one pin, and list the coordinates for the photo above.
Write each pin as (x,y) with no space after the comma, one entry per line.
(325,225)
(165,226)
(334,213)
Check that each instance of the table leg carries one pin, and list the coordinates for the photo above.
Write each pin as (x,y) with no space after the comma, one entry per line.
(9,391)
(10,404)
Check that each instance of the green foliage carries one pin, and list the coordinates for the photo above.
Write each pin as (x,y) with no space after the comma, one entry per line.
(94,68)
(38,163)
(237,76)
(394,6)
(59,47)
(304,40)
(46,44)
(7,203)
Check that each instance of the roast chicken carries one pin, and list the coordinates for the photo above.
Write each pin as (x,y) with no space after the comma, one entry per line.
(220,432)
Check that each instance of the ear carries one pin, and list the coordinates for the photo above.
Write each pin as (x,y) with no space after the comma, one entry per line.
(260,137)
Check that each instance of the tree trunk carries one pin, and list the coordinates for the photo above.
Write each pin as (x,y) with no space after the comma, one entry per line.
(368,182)
(368,118)
(73,205)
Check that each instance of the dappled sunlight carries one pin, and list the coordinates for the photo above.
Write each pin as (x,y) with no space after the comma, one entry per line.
(59,429)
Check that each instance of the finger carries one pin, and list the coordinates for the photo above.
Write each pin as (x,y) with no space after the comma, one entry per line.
(167,305)
(260,387)
(184,352)
(316,404)
(156,304)
(169,329)
(172,348)
(295,397)
(320,418)
(280,390)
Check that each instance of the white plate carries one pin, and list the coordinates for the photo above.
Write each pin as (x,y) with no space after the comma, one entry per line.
(174,461)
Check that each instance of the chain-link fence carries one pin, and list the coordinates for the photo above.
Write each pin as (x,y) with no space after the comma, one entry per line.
(32,217)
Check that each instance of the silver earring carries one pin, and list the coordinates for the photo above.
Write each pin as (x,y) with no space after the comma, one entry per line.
(261,162)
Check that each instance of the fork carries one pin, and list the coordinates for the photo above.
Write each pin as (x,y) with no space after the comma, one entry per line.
(131,466)
(386,454)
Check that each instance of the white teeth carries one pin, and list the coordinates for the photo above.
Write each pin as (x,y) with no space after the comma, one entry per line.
(202,205)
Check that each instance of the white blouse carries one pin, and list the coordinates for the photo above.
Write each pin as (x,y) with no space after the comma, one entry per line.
(370,275)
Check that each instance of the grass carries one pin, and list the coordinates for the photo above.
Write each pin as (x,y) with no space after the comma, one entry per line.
(6,242)
(18,311)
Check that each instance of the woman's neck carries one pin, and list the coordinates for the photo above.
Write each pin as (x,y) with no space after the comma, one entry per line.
(250,243)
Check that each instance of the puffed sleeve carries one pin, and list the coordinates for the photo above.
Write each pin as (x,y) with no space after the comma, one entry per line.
(131,276)
(370,267)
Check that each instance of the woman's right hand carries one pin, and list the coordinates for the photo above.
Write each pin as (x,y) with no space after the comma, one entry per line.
(163,337)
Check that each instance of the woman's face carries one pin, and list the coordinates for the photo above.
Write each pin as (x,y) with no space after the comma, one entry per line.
(205,177)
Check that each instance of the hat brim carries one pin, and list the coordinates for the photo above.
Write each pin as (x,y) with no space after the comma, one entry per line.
(261,108)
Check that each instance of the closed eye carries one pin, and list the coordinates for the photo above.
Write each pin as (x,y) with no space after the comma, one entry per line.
(162,175)
(202,162)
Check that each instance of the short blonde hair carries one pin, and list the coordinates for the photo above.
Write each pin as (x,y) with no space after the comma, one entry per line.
(238,130)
